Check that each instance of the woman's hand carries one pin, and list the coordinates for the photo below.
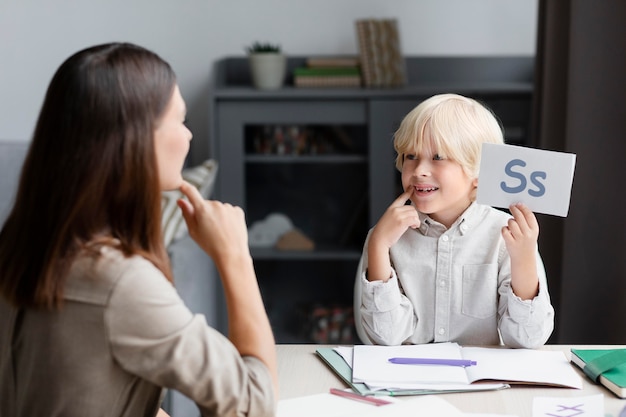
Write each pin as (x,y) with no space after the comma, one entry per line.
(219,228)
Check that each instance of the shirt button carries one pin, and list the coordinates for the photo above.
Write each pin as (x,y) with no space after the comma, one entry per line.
(463,228)
(441,330)
(442,283)
(444,238)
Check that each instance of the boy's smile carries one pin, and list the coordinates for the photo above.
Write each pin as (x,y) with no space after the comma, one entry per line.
(441,188)
(424,189)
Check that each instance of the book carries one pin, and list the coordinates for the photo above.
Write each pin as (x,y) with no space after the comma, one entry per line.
(495,368)
(336,362)
(380,53)
(365,52)
(603,366)
(327,71)
(327,81)
(327,77)
(329,62)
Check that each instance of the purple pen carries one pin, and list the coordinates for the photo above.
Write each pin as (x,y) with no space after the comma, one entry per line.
(432,361)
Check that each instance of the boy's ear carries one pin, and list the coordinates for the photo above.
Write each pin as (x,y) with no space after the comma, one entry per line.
(474,190)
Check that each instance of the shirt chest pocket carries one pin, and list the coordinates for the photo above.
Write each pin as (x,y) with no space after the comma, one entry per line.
(480,292)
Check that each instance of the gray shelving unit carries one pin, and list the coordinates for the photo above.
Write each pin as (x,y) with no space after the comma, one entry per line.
(334,197)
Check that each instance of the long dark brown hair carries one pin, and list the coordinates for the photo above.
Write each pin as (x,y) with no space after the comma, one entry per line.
(90,176)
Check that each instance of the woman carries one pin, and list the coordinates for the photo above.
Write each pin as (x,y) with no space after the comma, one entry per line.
(90,323)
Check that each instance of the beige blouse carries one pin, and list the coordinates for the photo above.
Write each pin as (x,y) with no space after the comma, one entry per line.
(122,335)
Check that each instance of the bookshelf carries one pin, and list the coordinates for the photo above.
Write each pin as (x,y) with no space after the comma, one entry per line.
(324,158)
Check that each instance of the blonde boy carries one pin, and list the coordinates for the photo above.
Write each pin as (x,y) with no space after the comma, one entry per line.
(445,268)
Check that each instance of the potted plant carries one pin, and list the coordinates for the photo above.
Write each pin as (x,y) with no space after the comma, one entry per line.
(267,65)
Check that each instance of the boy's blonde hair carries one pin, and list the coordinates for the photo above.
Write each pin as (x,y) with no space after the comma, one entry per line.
(455,126)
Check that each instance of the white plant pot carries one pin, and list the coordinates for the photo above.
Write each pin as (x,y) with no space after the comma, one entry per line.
(268,70)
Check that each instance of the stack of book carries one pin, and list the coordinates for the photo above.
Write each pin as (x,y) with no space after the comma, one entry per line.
(381,57)
(328,72)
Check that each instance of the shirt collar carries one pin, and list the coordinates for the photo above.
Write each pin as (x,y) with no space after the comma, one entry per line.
(465,222)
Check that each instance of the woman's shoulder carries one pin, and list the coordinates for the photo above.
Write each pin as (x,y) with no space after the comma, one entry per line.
(94,278)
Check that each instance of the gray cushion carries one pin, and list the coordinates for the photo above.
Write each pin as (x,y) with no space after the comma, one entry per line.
(203,177)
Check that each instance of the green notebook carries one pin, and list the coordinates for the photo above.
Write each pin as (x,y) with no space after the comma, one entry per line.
(341,368)
(603,366)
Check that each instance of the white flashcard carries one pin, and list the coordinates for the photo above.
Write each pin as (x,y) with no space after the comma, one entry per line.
(515,174)
(590,406)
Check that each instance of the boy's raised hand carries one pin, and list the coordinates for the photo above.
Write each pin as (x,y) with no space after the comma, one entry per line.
(520,236)
(522,232)
(395,221)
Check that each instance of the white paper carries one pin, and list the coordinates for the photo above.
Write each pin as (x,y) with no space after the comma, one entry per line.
(424,406)
(329,405)
(321,405)
(488,415)
(371,366)
(538,178)
(587,406)
(346,353)
(522,365)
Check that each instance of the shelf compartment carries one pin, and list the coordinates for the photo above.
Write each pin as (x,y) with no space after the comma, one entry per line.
(293,290)
(305,139)
(305,159)
(320,253)
(327,202)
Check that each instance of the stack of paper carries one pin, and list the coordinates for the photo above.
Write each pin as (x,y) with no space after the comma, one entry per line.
(495,368)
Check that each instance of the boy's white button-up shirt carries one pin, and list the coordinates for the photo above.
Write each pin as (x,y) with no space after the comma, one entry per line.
(454,285)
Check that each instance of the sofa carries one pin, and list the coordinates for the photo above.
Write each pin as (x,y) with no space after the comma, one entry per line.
(194,273)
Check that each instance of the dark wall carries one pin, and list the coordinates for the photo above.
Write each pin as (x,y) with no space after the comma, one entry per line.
(581,97)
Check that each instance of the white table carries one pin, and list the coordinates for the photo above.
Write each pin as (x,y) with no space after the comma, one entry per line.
(301,372)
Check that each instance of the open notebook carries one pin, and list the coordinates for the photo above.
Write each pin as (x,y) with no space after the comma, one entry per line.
(343,369)
(495,368)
